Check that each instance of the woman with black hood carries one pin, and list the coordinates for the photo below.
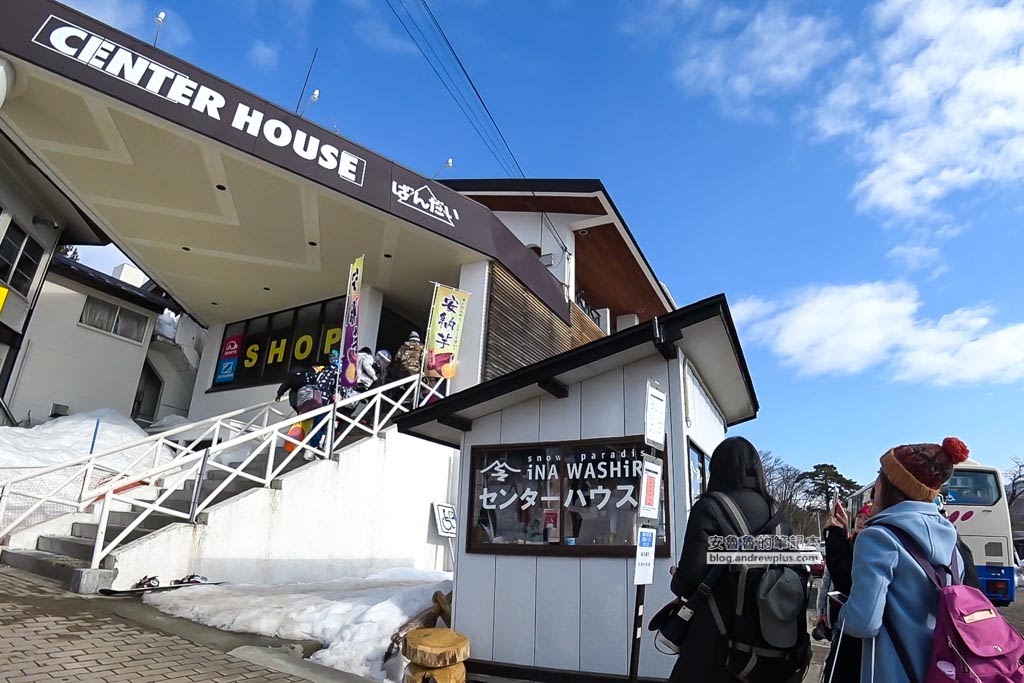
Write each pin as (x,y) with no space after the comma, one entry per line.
(736,471)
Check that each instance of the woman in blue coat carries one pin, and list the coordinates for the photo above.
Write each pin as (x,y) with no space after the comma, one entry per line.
(888,585)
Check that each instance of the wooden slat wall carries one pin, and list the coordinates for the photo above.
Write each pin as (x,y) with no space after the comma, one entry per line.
(521,330)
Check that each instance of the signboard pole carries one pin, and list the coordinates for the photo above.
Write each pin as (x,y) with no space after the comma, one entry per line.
(647,515)
(423,353)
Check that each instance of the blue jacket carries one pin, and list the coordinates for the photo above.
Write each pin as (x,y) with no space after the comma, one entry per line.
(886,577)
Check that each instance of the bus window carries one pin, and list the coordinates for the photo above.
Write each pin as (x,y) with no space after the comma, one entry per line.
(967,487)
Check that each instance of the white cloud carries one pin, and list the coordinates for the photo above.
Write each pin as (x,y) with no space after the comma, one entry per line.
(775,52)
(846,329)
(915,256)
(934,102)
(263,55)
(750,309)
(379,31)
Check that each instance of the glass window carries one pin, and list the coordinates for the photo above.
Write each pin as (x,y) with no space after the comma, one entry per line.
(254,350)
(103,315)
(971,487)
(306,335)
(278,351)
(130,325)
(28,264)
(99,314)
(698,473)
(10,247)
(570,499)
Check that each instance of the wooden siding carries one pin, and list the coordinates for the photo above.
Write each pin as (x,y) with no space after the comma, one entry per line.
(521,330)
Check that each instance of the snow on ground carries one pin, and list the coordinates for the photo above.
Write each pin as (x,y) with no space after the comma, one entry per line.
(353,618)
(167,325)
(69,438)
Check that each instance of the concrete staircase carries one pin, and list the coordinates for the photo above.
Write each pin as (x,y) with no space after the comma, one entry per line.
(58,556)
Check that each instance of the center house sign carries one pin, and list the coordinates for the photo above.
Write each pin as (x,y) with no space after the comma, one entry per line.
(570,498)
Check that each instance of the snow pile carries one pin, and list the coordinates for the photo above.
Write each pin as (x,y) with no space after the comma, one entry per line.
(69,438)
(353,618)
(168,422)
(167,325)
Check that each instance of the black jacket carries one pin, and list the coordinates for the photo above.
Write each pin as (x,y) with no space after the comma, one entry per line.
(702,656)
(296,379)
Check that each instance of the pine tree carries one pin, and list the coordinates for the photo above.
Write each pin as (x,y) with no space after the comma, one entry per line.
(68,251)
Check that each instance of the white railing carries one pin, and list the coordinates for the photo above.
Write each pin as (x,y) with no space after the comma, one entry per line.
(333,427)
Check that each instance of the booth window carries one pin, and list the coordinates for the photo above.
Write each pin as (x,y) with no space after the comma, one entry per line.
(20,256)
(576,499)
(699,462)
(108,317)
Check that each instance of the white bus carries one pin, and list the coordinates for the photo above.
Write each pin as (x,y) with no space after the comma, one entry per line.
(975,503)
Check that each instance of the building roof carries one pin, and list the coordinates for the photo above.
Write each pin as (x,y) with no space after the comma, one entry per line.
(703,332)
(612,269)
(110,285)
(235,206)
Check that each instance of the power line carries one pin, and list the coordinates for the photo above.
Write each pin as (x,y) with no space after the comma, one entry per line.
(477,126)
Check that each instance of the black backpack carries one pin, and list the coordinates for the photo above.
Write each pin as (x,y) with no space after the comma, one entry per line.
(762,646)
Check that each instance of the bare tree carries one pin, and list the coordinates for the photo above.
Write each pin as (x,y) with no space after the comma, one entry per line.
(1013,478)
(783,481)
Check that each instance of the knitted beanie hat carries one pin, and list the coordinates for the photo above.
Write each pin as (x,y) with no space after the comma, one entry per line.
(918,470)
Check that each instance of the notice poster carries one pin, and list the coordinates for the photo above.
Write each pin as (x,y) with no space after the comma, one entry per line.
(444,331)
(350,337)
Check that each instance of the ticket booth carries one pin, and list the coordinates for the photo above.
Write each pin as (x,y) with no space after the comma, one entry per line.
(550,464)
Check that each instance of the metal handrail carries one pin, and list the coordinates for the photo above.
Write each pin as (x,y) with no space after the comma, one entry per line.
(366,413)
(197,463)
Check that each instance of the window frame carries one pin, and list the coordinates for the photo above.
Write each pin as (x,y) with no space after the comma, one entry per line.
(26,239)
(661,550)
(705,461)
(117,315)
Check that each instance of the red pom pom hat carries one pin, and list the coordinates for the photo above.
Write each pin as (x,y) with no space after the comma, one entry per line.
(919,470)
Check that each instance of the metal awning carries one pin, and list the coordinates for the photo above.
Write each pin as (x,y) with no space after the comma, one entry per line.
(233,205)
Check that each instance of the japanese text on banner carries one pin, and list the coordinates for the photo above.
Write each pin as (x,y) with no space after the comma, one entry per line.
(350,339)
(444,331)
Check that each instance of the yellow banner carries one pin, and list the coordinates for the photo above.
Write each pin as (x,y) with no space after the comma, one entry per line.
(445,331)
(3,297)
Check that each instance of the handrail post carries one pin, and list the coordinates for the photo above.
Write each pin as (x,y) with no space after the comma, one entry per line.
(101,531)
(3,504)
(197,488)
(332,415)
(376,414)
(271,451)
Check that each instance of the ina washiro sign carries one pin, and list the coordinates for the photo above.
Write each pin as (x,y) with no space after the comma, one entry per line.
(116,61)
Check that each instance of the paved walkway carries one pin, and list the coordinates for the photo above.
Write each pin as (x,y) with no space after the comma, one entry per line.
(47,634)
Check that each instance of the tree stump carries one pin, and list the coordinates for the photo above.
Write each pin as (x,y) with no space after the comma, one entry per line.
(435,648)
(415,673)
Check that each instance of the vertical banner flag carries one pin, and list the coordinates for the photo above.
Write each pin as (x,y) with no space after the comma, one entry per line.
(349,371)
(441,354)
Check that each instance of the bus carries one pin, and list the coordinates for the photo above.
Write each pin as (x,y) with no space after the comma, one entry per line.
(975,503)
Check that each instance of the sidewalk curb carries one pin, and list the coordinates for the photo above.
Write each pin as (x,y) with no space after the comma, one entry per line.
(280,659)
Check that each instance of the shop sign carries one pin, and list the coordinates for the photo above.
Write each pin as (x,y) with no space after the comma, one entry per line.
(422,199)
(158,80)
(571,494)
(654,416)
(350,345)
(444,332)
(444,520)
(650,489)
(226,371)
(643,571)
(3,297)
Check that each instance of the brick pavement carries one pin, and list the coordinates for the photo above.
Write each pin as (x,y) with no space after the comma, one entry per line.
(47,634)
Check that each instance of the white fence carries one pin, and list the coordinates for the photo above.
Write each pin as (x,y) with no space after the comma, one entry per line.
(197,448)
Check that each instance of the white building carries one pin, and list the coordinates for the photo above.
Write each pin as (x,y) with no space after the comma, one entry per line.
(99,341)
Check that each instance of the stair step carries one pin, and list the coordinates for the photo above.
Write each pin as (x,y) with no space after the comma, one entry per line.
(256,468)
(237,485)
(156,520)
(42,563)
(88,531)
(77,548)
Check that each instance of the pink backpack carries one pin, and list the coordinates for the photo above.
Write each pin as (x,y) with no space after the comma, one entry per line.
(973,642)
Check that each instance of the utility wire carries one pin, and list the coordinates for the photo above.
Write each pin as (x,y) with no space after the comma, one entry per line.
(491,146)
(494,123)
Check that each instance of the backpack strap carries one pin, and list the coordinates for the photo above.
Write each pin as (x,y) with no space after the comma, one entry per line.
(914,549)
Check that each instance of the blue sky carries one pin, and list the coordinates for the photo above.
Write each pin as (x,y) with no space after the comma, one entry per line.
(848,174)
